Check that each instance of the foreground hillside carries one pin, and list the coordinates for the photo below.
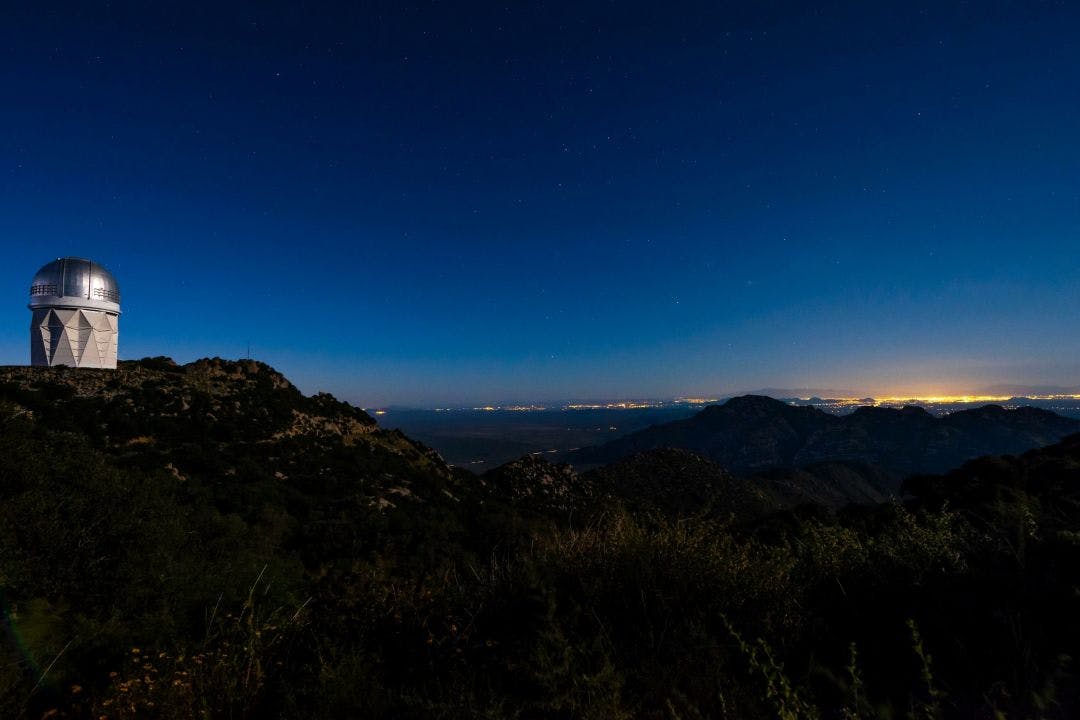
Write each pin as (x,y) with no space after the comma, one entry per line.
(205,541)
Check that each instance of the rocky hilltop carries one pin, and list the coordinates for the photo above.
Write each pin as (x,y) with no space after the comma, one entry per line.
(535,484)
(213,419)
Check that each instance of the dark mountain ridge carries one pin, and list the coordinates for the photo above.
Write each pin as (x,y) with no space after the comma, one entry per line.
(754,433)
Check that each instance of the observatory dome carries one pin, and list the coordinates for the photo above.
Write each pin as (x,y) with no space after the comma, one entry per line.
(76,312)
(75,282)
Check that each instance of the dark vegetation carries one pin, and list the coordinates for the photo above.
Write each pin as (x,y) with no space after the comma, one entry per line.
(204,541)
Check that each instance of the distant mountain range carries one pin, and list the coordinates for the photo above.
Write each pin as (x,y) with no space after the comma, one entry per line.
(753,434)
(1012,390)
(1022,391)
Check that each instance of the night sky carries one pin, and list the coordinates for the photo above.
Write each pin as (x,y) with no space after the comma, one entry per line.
(466,202)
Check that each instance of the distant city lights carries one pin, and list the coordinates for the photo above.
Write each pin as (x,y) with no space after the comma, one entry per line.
(834,404)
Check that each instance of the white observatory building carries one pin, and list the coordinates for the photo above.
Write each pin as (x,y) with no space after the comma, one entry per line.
(76,321)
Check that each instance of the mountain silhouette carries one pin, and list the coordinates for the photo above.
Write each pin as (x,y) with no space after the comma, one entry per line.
(755,433)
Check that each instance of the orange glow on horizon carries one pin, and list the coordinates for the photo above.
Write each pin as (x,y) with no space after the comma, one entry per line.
(943,399)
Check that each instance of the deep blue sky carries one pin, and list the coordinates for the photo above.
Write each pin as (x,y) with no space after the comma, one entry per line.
(464,202)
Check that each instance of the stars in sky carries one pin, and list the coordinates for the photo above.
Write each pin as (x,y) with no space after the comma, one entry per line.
(645,196)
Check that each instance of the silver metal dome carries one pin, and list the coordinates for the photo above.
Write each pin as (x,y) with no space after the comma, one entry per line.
(75,282)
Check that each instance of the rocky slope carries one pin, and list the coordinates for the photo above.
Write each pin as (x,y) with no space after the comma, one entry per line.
(672,483)
(533,482)
(214,419)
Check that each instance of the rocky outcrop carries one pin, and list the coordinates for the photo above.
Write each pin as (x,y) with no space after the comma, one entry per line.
(241,420)
(534,481)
